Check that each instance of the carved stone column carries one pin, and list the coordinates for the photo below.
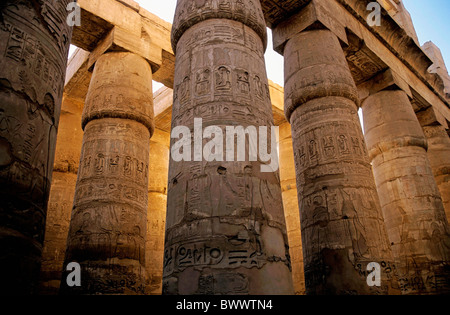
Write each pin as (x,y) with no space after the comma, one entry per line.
(109,218)
(157,204)
(226,229)
(415,219)
(342,225)
(439,157)
(290,205)
(34,44)
(438,152)
(67,158)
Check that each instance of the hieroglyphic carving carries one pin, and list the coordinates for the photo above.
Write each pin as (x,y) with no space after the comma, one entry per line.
(340,213)
(223,218)
(34,42)
(109,219)
(415,218)
(188,13)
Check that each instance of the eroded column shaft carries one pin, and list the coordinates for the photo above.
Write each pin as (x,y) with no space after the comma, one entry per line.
(439,157)
(34,43)
(156,216)
(290,205)
(109,217)
(226,229)
(412,206)
(342,225)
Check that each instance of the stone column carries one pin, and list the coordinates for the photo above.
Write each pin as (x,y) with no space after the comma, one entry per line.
(156,216)
(67,157)
(290,205)
(439,157)
(34,44)
(412,207)
(342,225)
(225,230)
(109,217)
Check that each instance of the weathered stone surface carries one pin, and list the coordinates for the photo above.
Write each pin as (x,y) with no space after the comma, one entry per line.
(225,224)
(439,156)
(57,228)
(342,225)
(67,158)
(398,12)
(438,66)
(290,205)
(276,11)
(156,216)
(34,43)
(189,13)
(109,218)
(413,212)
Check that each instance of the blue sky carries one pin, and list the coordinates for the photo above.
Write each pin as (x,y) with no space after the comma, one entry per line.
(431,20)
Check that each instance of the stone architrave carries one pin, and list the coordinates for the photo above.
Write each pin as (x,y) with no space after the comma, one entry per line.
(413,211)
(225,229)
(34,44)
(109,217)
(342,224)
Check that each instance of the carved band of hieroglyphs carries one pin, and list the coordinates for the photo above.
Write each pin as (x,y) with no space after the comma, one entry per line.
(236,34)
(238,84)
(321,146)
(25,49)
(211,113)
(189,13)
(217,253)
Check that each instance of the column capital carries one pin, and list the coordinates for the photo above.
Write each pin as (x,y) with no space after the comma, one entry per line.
(121,87)
(431,117)
(387,80)
(383,130)
(121,40)
(189,13)
(315,67)
(312,17)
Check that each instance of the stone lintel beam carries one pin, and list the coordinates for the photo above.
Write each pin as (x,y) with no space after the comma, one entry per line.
(113,12)
(119,39)
(78,77)
(392,37)
(276,11)
(390,80)
(158,32)
(386,80)
(313,16)
(431,117)
(122,25)
(389,42)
